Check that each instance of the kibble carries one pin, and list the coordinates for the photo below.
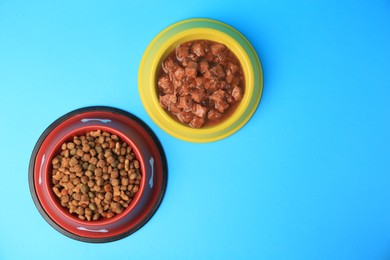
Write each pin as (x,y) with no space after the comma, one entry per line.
(96,175)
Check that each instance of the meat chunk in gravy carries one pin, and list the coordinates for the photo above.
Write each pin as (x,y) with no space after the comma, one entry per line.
(201,83)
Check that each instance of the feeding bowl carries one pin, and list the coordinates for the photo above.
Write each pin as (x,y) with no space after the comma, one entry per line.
(190,30)
(129,129)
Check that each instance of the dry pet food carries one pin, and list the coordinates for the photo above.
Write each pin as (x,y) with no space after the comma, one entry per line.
(96,175)
(201,83)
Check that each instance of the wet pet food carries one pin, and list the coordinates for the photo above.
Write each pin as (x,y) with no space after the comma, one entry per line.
(201,83)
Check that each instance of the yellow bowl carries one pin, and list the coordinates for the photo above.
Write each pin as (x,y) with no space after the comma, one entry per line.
(200,29)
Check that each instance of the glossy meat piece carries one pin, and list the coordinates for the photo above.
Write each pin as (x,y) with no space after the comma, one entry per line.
(214,115)
(199,95)
(199,110)
(169,65)
(197,122)
(167,100)
(182,52)
(216,48)
(191,69)
(199,81)
(165,86)
(174,108)
(218,72)
(185,117)
(203,66)
(198,49)
(236,93)
(179,73)
(185,103)
(218,95)
(184,90)
(219,98)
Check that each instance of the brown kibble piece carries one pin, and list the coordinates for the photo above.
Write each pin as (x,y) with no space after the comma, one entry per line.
(108,196)
(70,146)
(66,153)
(114,182)
(117,198)
(65,199)
(84,189)
(55,161)
(96,216)
(92,206)
(78,168)
(88,212)
(110,214)
(84,198)
(70,186)
(114,174)
(91,183)
(117,208)
(77,196)
(79,152)
(80,210)
(124,196)
(136,164)
(86,148)
(88,173)
(92,160)
(125,181)
(57,192)
(117,191)
(86,157)
(73,161)
(72,152)
(108,188)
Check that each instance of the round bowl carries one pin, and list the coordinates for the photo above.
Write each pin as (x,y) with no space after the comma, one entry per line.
(200,29)
(147,150)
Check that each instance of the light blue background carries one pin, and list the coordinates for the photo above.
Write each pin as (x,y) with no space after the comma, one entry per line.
(307,178)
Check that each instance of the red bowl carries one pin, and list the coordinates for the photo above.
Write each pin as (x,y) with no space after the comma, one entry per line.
(147,150)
